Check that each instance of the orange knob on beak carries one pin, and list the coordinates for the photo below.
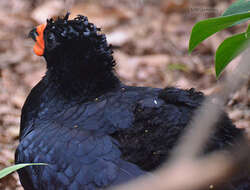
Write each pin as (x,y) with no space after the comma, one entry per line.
(37,35)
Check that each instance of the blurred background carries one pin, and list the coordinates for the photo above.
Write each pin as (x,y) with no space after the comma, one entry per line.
(150,40)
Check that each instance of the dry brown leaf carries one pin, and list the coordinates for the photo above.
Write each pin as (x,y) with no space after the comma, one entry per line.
(13,131)
(47,10)
(174,6)
(33,78)
(119,37)
(105,17)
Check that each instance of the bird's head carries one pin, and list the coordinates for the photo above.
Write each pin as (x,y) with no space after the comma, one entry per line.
(62,33)
(75,50)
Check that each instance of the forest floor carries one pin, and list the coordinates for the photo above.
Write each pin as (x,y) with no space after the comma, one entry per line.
(150,40)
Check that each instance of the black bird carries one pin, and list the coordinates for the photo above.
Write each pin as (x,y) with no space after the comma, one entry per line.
(92,130)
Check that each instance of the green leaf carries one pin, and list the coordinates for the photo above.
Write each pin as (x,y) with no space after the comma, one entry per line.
(241,6)
(208,27)
(178,66)
(248,29)
(8,170)
(229,49)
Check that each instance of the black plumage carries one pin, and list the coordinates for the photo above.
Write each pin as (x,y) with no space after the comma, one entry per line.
(92,130)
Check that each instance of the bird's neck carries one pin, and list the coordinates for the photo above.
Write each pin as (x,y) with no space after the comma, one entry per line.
(84,79)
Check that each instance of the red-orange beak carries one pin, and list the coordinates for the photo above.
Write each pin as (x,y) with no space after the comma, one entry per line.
(37,35)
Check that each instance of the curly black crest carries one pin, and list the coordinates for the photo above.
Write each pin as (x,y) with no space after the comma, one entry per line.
(78,55)
(78,28)
(78,38)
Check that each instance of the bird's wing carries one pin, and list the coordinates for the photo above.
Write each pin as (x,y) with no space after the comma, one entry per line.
(76,158)
(190,98)
(160,117)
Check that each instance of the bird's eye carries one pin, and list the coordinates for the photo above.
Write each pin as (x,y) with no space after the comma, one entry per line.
(51,41)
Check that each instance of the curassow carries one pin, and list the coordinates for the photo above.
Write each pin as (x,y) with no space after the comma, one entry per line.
(92,130)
